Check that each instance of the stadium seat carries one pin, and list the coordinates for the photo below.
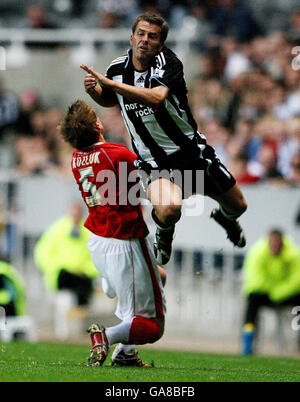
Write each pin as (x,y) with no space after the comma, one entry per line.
(276,324)
(20,327)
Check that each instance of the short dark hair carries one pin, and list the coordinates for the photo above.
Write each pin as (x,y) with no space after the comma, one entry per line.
(156,20)
(78,127)
(276,232)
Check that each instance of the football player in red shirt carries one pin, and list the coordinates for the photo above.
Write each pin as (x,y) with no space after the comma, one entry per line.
(120,251)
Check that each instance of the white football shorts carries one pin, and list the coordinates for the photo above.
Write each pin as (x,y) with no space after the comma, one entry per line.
(129,272)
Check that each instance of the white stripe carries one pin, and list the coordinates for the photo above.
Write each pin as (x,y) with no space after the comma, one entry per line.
(224,171)
(117,62)
(159,62)
(119,58)
(163,58)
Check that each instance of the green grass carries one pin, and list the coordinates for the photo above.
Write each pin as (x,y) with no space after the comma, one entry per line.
(62,362)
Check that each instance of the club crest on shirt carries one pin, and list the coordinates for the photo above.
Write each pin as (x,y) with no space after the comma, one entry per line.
(158,73)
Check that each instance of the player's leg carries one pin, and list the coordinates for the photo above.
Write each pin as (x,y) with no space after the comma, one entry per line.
(253,304)
(232,206)
(221,186)
(166,198)
(80,285)
(127,355)
(123,264)
(163,275)
(149,300)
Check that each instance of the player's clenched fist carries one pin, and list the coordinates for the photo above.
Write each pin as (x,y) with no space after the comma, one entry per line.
(89,83)
(93,75)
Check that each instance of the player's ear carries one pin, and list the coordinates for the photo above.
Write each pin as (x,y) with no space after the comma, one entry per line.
(99,127)
(131,36)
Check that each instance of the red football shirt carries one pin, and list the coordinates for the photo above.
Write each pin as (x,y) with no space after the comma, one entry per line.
(102,174)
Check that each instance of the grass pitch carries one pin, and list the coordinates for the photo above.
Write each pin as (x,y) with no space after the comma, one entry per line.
(63,362)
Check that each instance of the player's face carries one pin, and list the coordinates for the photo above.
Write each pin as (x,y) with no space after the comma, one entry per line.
(145,42)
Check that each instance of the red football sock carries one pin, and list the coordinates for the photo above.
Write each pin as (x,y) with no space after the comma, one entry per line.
(143,330)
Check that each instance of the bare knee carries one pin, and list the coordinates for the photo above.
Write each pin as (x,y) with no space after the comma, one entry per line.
(168,214)
(162,274)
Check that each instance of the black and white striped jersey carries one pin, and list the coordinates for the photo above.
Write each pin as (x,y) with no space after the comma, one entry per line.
(157,133)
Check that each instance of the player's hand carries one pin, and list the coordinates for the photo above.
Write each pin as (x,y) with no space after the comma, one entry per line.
(89,83)
(104,81)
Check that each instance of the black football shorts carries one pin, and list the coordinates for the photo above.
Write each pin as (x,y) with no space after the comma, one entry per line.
(205,175)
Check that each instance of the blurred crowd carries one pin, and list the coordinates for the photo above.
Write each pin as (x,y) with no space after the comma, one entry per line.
(245,97)
(243,18)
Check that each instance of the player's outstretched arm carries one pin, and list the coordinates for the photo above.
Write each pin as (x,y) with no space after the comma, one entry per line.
(96,92)
(153,96)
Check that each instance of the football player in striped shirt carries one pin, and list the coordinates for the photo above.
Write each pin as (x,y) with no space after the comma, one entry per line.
(148,84)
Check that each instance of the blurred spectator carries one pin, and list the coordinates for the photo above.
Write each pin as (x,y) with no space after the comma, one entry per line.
(217,136)
(12,290)
(243,140)
(108,20)
(178,10)
(289,147)
(294,178)
(9,109)
(237,60)
(114,127)
(271,278)
(150,6)
(33,157)
(123,11)
(234,18)
(294,28)
(78,7)
(29,102)
(211,100)
(37,18)
(266,166)
(239,168)
(62,254)
(213,62)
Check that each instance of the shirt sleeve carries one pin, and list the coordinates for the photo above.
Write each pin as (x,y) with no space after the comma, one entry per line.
(107,93)
(169,75)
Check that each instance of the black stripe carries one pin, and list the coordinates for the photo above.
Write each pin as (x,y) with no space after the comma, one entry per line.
(171,129)
(156,151)
(128,75)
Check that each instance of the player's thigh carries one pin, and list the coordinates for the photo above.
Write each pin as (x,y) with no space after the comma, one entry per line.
(163,192)
(108,255)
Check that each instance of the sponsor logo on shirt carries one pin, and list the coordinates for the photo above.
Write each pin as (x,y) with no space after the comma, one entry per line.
(139,109)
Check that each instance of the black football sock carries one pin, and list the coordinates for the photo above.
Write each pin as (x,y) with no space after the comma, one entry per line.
(162,226)
(228,215)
